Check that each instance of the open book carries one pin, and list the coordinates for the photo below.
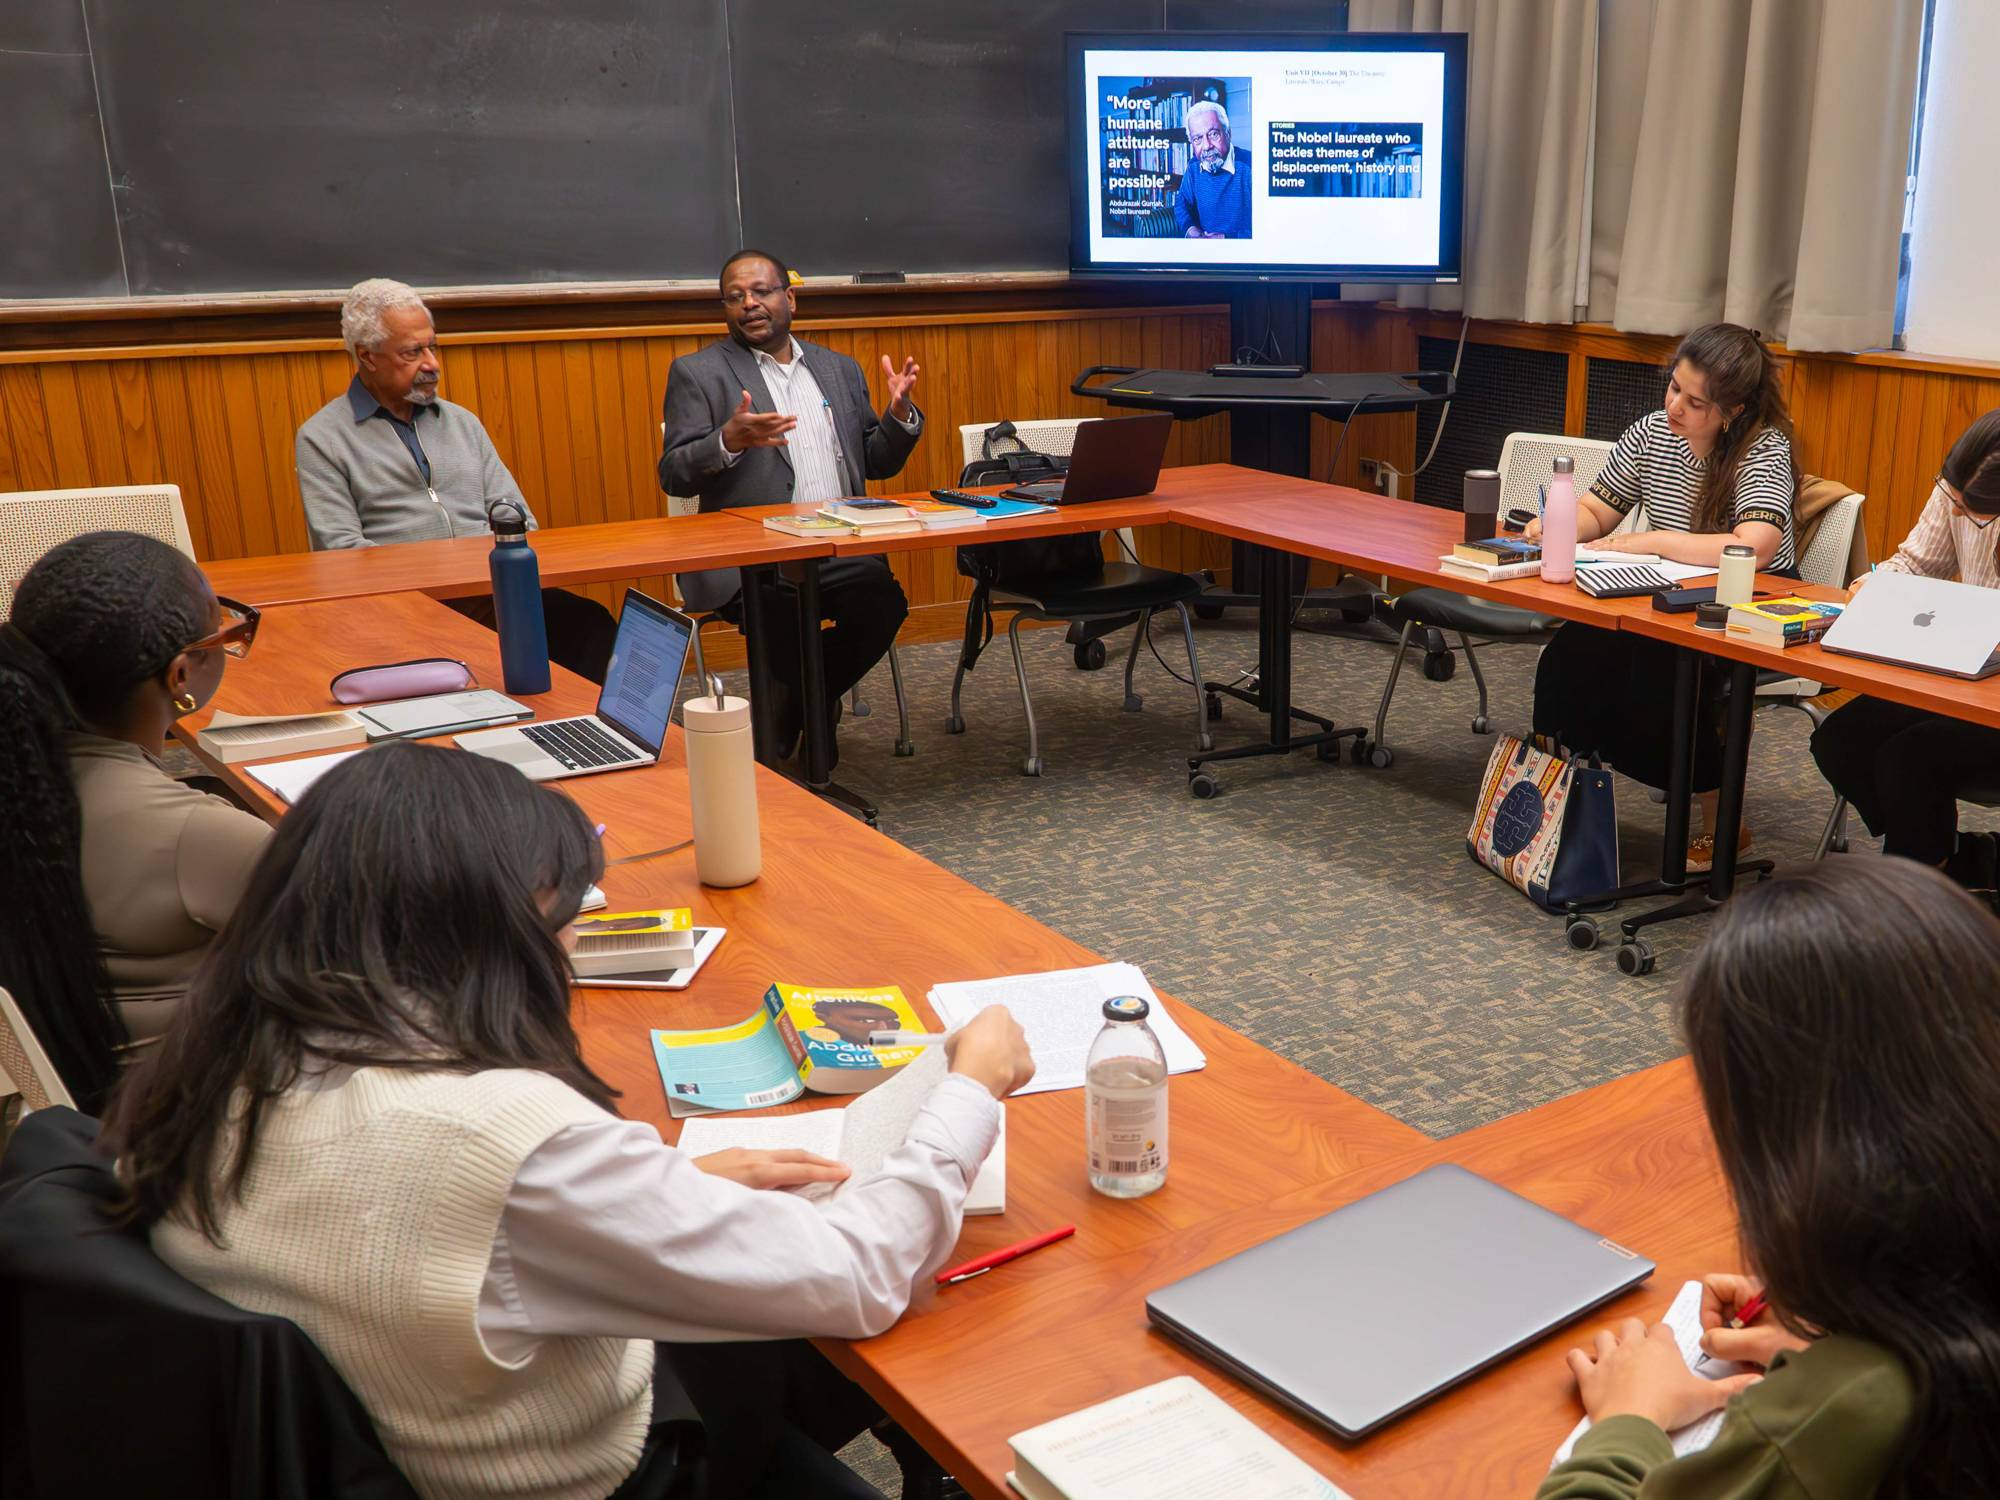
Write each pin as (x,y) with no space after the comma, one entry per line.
(802,1037)
(1176,1440)
(1684,1317)
(862,1135)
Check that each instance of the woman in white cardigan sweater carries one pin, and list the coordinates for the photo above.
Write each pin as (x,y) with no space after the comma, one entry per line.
(372,1117)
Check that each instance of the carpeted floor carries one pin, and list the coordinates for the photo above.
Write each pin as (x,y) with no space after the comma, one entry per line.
(1328,911)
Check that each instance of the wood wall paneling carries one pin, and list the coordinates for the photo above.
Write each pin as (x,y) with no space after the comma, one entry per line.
(574,410)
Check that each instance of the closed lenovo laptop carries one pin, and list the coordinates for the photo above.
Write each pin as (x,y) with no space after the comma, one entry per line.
(630,724)
(1357,1317)
(1933,624)
(1114,458)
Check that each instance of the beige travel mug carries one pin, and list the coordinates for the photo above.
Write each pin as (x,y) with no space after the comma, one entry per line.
(722,784)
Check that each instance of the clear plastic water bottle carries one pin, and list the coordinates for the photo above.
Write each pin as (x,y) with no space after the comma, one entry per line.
(1125,1103)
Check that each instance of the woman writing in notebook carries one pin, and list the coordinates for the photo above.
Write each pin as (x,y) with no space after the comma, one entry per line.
(1713,468)
(116,876)
(1903,769)
(380,1048)
(1844,1032)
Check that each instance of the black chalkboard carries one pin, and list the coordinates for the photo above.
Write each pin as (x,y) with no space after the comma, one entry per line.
(278,143)
(250,145)
(57,234)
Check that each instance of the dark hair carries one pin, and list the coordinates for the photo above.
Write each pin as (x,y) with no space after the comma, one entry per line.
(1973,465)
(1845,1028)
(395,920)
(784,271)
(1740,372)
(94,617)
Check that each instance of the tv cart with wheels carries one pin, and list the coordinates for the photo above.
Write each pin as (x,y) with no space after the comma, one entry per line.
(1270,428)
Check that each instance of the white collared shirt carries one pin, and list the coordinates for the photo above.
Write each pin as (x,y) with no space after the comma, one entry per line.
(607,1232)
(819,466)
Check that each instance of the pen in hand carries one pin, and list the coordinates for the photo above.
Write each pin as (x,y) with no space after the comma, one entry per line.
(1751,1310)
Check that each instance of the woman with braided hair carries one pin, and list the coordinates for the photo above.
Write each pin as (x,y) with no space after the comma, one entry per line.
(116,876)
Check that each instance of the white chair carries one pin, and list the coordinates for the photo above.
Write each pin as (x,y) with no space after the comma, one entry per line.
(33,522)
(27,1065)
(1526,461)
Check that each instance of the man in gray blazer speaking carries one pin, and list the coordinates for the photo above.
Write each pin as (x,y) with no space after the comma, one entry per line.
(762,418)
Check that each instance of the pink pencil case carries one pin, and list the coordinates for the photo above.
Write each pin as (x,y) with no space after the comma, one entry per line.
(402,679)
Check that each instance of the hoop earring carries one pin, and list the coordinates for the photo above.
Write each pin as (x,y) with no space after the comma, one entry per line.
(185,703)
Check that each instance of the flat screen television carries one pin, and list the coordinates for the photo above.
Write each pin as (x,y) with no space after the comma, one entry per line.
(1296,157)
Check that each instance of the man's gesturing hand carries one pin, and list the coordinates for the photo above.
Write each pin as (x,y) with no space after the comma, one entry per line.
(755,429)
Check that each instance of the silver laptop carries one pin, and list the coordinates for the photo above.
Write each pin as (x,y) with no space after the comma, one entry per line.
(1930,623)
(1361,1315)
(630,724)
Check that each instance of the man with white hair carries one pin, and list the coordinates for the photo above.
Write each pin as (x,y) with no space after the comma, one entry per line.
(1214,198)
(389,460)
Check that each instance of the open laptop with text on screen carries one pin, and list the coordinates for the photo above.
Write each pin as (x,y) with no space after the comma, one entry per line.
(1114,458)
(630,724)
(1933,624)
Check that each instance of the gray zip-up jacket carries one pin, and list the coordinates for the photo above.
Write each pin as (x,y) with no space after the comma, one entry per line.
(362,479)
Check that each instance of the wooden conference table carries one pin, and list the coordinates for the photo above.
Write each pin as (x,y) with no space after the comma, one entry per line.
(1259,1144)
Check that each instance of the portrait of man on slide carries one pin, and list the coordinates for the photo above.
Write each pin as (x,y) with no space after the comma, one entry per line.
(1214,198)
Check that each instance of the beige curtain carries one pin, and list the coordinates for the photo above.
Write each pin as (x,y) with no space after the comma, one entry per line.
(1769,141)
(1527,133)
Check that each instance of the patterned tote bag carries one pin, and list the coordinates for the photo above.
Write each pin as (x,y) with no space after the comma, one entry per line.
(1546,824)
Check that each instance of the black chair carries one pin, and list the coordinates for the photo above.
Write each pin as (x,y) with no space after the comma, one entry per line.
(120,1377)
(1066,578)
(1433,611)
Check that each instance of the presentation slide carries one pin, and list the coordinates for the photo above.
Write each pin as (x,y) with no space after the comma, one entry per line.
(1264,158)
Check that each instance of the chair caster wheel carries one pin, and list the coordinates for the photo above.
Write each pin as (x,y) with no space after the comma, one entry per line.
(861,709)
(1089,656)
(955,724)
(1481,726)
(1583,933)
(905,748)
(1838,846)
(1440,666)
(1214,708)
(1381,757)
(1031,765)
(1357,751)
(1635,957)
(1134,702)
(1329,752)
(1206,611)
(1204,742)
(1202,785)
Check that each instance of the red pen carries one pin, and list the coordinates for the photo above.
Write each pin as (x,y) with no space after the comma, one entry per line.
(986,1263)
(1751,1310)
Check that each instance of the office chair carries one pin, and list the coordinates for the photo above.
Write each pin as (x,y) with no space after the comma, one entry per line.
(33,522)
(1113,594)
(1526,460)
(687,505)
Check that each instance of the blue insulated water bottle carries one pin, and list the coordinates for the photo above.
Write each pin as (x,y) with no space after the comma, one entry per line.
(517,602)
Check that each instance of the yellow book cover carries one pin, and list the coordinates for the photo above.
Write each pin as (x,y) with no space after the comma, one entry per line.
(617,942)
(829,1028)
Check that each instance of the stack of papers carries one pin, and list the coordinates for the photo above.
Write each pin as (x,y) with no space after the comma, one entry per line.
(1062,1012)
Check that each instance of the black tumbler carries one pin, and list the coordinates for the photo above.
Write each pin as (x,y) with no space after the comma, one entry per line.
(1482,504)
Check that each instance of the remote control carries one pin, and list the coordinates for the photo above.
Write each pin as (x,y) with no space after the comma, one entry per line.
(964,497)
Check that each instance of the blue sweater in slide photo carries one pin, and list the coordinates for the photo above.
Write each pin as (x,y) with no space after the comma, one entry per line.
(1216,202)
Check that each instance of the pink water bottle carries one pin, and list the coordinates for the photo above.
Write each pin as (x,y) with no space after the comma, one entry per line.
(1559,524)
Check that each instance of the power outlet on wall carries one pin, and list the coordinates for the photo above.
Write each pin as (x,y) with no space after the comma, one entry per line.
(1379,476)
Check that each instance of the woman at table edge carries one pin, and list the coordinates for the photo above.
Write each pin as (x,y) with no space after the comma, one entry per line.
(1844,1032)
(117,876)
(1713,468)
(526,1292)
(1903,769)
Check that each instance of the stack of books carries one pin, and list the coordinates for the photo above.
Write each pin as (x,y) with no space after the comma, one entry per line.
(622,942)
(857,516)
(1790,621)
(1493,559)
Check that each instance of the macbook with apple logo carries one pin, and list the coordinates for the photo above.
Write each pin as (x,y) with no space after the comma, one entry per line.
(1932,624)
